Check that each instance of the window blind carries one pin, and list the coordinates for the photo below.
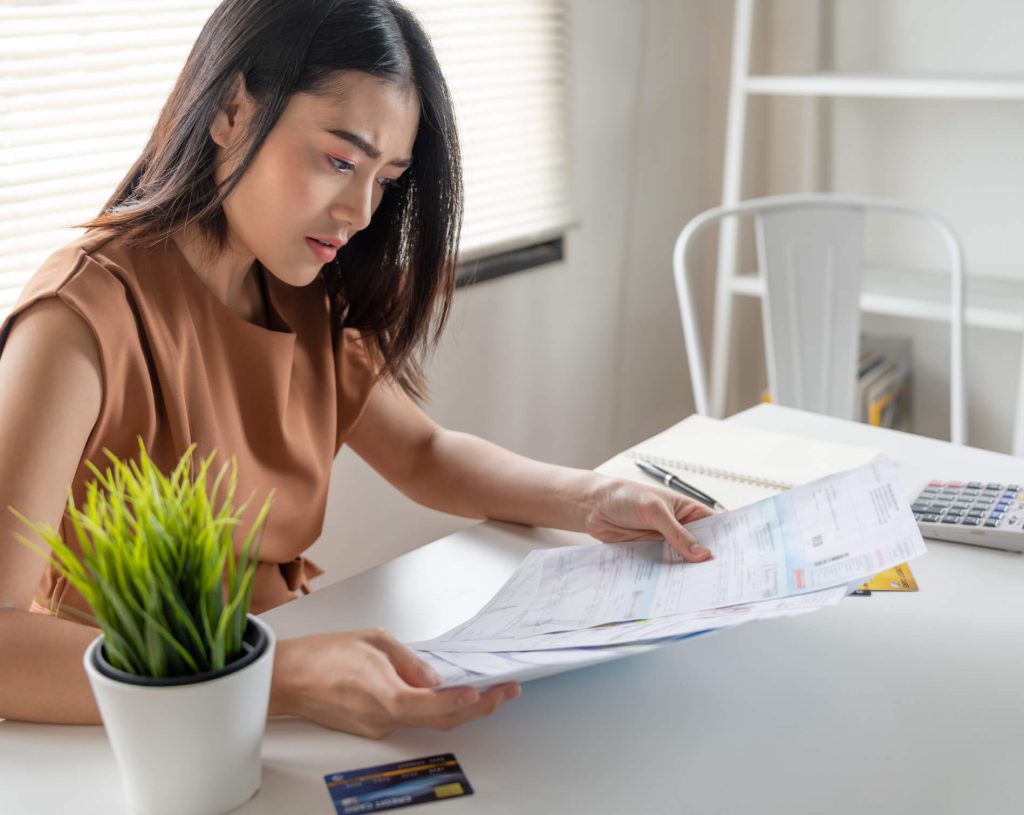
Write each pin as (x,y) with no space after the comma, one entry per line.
(82,82)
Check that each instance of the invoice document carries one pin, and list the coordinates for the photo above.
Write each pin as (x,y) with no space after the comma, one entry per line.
(834,532)
(672,626)
(473,663)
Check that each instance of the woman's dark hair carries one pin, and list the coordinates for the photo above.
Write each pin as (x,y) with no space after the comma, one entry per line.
(395,279)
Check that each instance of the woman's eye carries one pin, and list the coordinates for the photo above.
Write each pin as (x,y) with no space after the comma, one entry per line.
(341,164)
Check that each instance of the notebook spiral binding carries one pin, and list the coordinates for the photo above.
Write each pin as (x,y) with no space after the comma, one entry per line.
(714,472)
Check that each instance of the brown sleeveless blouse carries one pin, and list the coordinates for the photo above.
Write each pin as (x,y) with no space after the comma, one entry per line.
(180,367)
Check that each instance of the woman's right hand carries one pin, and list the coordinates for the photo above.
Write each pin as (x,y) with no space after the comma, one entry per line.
(368,683)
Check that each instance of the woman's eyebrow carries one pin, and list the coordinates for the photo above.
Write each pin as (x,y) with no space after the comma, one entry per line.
(365,146)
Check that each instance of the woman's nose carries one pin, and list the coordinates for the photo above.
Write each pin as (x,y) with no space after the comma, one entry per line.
(354,205)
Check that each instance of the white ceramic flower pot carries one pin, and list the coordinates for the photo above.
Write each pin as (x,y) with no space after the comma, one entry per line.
(189,748)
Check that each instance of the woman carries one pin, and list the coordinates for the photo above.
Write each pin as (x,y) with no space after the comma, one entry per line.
(264,282)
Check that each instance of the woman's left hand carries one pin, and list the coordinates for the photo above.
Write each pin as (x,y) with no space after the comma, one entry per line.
(622,510)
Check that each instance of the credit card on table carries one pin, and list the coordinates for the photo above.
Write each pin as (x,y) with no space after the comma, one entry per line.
(390,786)
(898,578)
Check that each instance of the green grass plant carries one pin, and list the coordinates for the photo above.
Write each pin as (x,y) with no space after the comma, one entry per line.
(158,565)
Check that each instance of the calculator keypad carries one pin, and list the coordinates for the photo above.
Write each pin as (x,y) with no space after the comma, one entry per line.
(974,503)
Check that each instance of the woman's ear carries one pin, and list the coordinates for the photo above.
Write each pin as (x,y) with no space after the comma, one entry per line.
(233,116)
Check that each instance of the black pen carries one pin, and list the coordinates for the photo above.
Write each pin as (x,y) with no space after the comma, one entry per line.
(676,483)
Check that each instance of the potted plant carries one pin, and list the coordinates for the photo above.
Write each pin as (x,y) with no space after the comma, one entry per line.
(181,671)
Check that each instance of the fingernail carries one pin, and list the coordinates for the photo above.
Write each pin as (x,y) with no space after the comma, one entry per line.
(433,677)
(513,693)
(697,549)
(467,697)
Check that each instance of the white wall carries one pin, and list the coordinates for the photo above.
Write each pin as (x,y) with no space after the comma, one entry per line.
(571,362)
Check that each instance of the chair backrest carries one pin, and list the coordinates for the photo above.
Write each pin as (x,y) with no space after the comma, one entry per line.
(810,250)
(812,262)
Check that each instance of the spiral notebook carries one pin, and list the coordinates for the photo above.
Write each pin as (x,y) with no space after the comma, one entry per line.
(738,465)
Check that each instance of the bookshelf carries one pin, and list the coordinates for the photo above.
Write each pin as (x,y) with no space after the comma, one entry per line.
(923,294)
(905,293)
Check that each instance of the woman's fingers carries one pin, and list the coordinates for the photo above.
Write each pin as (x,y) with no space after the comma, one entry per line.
(624,510)
(409,667)
(424,707)
(368,683)
(414,700)
(488,702)
(661,519)
(688,510)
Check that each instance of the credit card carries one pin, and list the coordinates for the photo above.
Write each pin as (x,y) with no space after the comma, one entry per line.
(898,578)
(391,786)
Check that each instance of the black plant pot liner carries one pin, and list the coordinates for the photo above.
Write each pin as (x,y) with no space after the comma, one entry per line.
(254,643)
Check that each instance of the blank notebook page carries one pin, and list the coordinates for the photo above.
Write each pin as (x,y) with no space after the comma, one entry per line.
(737,465)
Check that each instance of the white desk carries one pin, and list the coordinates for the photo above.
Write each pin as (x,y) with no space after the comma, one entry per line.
(897,703)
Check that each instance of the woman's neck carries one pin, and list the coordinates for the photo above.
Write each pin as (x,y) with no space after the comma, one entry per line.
(229,274)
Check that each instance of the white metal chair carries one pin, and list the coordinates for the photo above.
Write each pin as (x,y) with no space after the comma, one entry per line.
(810,255)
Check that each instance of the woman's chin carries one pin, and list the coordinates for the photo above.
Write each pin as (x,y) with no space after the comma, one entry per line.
(294,275)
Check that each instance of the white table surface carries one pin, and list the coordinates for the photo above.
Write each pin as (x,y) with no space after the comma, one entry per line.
(899,702)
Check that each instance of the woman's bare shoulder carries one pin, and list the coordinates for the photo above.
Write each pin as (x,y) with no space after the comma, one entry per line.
(50,356)
(52,331)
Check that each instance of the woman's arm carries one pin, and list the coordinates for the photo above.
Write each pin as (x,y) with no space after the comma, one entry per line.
(465,475)
(50,393)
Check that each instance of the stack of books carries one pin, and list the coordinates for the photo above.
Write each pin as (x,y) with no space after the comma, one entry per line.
(883,382)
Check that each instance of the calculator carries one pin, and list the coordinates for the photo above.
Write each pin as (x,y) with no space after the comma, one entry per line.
(986,514)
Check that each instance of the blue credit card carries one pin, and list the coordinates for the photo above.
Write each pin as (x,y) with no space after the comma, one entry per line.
(390,786)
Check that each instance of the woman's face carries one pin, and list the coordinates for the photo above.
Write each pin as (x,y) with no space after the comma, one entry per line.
(321,173)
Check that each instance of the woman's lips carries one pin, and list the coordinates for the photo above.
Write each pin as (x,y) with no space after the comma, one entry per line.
(324,253)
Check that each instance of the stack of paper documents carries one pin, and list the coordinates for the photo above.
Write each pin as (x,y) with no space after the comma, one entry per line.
(791,553)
